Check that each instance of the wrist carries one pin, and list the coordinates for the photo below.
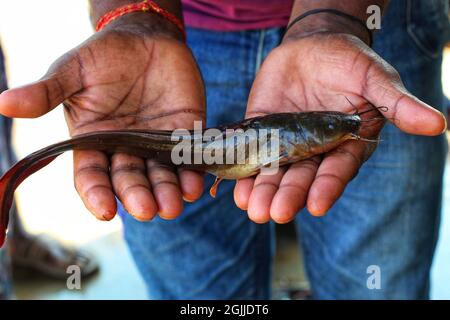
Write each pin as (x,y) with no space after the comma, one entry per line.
(146,24)
(324,22)
(168,23)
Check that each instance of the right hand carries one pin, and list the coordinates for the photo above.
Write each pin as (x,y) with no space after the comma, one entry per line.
(318,72)
(131,75)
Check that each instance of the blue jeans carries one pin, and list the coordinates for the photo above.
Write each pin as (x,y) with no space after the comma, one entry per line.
(387,217)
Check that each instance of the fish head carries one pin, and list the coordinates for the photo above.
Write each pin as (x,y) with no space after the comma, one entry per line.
(337,127)
(323,131)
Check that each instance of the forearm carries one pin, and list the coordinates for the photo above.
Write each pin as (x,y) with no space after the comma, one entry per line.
(150,21)
(326,22)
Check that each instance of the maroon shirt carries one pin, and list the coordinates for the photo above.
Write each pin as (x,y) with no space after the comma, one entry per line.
(234,15)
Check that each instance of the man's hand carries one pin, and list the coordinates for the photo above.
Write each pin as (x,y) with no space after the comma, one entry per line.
(320,72)
(135,74)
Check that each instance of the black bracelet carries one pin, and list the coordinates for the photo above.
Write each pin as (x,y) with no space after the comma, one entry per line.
(335,12)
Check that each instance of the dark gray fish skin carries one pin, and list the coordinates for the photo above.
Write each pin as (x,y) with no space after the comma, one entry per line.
(302,135)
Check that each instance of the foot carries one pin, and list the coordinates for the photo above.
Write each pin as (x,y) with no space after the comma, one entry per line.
(49,257)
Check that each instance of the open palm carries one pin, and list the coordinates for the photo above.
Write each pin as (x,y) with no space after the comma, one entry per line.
(122,80)
(334,73)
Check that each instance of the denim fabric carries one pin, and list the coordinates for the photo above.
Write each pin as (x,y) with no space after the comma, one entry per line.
(212,250)
(5,162)
(387,217)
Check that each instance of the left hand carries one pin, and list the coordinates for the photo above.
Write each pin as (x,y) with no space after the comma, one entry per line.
(319,72)
(134,74)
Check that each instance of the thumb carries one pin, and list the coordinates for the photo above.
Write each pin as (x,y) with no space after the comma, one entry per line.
(62,80)
(384,87)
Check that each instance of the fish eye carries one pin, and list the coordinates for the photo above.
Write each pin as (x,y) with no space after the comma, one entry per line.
(331,126)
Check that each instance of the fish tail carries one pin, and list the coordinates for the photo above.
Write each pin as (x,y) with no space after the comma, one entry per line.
(12,179)
(158,145)
(108,141)
(4,218)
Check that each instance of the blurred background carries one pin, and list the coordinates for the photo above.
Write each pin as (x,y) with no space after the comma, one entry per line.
(34,34)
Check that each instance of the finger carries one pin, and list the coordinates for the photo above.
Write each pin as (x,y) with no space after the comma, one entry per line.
(293,190)
(33,100)
(242,192)
(260,200)
(336,170)
(383,87)
(166,189)
(191,184)
(129,179)
(92,183)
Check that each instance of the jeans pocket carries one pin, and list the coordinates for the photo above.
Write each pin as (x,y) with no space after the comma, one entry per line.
(428,26)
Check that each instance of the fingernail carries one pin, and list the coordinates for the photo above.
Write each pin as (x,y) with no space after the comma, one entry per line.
(108,215)
(167,216)
(134,214)
(137,217)
(185,198)
(445,123)
(315,210)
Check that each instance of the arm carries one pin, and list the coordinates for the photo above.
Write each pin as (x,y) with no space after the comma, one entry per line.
(134,74)
(322,61)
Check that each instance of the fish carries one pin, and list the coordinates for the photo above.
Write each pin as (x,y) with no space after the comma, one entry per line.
(297,136)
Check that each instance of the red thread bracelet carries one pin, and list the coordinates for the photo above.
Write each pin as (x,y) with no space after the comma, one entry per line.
(144,6)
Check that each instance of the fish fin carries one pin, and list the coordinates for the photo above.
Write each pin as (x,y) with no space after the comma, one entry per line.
(213,190)
(278,158)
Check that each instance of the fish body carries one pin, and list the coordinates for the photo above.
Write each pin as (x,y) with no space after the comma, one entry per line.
(297,136)
(300,136)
